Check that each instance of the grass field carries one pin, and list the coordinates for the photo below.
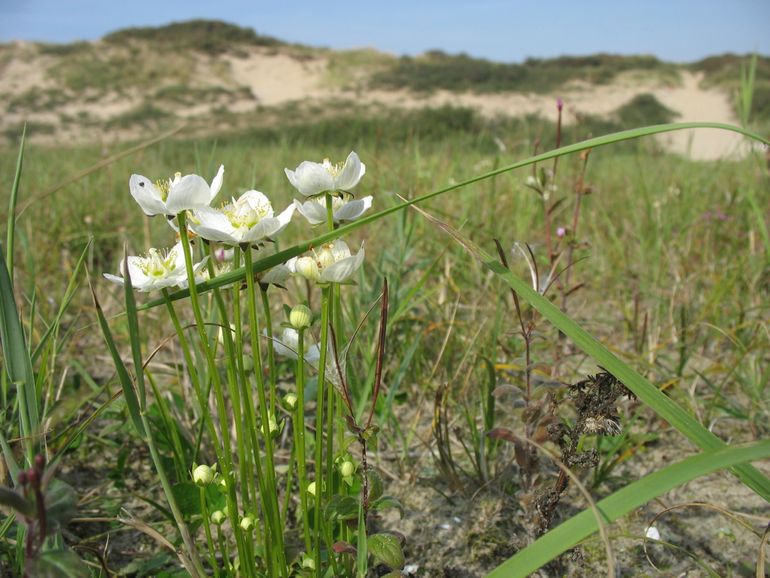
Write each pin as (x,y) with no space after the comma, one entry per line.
(664,260)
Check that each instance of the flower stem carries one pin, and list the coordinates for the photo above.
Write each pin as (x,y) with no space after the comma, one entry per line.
(269,496)
(299,436)
(226,455)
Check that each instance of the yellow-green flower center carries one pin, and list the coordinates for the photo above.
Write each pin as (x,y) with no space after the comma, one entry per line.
(164,185)
(157,263)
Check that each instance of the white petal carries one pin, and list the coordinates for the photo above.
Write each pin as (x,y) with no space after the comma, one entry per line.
(343,269)
(284,217)
(264,228)
(351,173)
(353,209)
(256,200)
(277,275)
(292,178)
(147,195)
(312,178)
(315,213)
(192,192)
(114,278)
(177,253)
(216,184)
(212,225)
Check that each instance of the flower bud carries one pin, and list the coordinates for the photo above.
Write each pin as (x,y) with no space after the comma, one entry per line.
(246,523)
(218,517)
(290,401)
(203,475)
(311,488)
(307,268)
(347,469)
(308,562)
(300,317)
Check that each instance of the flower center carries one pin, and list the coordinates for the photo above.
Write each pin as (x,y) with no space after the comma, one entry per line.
(164,185)
(157,263)
(245,215)
(332,169)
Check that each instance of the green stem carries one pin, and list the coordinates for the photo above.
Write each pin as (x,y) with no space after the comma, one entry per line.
(299,436)
(196,568)
(270,495)
(194,378)
(207,528)
(226,455)
(319,428)
(270,349)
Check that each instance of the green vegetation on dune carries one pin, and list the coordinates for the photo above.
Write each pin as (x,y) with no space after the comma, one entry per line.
(208,36)
(438,70)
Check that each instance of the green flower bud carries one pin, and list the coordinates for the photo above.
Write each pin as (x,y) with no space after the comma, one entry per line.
(347,469)
(290,401)
(218,517)
(246,523)
(300,317)
(308,562)
(311,488)
(203,475)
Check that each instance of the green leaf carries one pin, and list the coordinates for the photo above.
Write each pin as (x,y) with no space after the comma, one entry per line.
(341,508)
(386,549)
(387,503)
(58,564)
(14,500)
(375,485)
(125,380)
(188,498)
(17,361)
(579,527)
(60,505)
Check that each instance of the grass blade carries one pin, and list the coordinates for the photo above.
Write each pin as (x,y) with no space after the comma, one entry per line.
(129,393)
(579,527)
(17,362)
(659,402)
(12,204)
(133,331)
(283,256)
(69,293)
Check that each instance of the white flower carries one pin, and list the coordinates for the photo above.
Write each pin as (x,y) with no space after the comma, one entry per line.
(288,345)
(246,220)
(652,533)
(179,193)
(159,269)
(344,208)
(332,263)
(311,178)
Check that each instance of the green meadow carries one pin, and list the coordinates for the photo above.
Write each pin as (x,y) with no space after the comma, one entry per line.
(533,368)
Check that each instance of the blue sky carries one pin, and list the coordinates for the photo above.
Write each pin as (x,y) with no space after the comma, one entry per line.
(677,30)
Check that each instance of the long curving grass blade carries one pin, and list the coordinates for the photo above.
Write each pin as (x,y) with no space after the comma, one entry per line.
(655,399)
(283,256)
(17,362)
(579,527)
